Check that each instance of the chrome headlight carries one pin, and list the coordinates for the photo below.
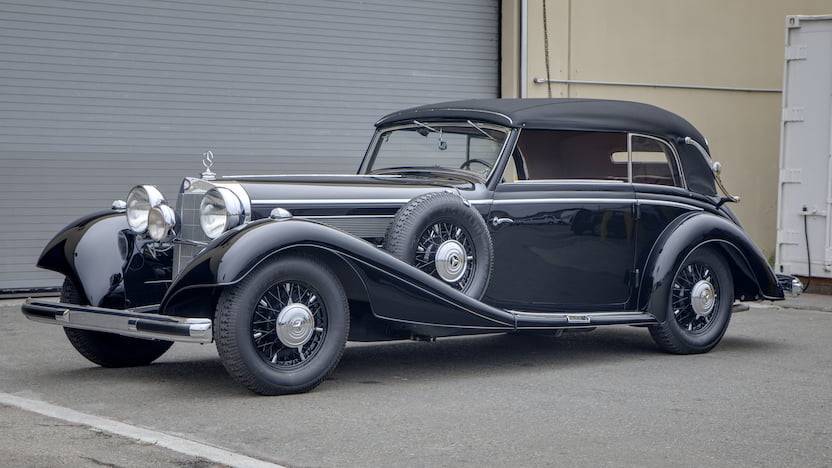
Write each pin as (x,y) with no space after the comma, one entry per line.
(220,211)
(139,202)
(160,221)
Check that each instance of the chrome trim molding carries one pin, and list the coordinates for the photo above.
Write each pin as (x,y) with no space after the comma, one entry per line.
(642,201)
(128,322)
(508,201)
(300,176)
(475,202)
(368,201)
(316,217)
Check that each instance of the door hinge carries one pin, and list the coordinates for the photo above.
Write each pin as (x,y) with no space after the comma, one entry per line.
(788,237)
(793,114)
(790,176)
(796,52)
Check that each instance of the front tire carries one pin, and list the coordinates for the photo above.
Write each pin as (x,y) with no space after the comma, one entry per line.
(284,327)
(699,305)
(108,349)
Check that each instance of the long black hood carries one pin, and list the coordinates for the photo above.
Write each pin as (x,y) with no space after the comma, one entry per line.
(337,195)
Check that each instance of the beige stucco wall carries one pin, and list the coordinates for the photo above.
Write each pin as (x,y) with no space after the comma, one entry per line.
(736,43)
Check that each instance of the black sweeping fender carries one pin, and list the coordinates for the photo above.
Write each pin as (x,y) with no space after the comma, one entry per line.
(107,262)
(753,278)
(395,290)
(87,251)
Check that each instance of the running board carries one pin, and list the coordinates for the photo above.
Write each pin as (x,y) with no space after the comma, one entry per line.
(537,320)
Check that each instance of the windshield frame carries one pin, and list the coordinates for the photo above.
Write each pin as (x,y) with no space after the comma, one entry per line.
(371,153)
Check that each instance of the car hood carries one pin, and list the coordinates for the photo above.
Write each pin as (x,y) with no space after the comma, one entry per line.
(333,195)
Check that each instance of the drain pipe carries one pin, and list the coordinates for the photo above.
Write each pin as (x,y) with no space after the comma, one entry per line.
(524,47)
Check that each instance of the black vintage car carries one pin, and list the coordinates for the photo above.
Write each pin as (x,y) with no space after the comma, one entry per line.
(471,217)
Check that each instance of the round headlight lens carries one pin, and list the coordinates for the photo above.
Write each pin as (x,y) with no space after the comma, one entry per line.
(139,202)
(160,221)
(220,211)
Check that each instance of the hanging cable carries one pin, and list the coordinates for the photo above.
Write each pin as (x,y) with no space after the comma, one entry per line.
(546,49)
(808,256)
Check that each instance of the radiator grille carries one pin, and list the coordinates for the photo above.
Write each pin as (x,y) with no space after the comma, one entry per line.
(189,229)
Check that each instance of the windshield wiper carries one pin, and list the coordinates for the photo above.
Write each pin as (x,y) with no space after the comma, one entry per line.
(426,126)
(487,135)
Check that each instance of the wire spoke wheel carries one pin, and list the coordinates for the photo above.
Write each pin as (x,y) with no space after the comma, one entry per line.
(289,324)
(445,251)
(695,298)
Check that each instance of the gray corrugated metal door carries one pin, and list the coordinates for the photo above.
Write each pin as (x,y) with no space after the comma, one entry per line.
(97,96)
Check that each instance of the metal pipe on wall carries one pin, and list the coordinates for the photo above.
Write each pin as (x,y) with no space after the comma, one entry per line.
(524,48)
(660,85)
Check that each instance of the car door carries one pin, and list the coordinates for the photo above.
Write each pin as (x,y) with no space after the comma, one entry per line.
(563,225)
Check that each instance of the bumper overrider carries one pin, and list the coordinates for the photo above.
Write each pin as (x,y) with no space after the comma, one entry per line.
(139,323)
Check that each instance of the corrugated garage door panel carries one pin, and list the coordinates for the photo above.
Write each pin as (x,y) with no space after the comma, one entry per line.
(97,96)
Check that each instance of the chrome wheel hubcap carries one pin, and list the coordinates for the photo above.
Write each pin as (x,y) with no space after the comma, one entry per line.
(289,324)
(295,325)
(446,251)
(695,297)
(451,261)
(702,298)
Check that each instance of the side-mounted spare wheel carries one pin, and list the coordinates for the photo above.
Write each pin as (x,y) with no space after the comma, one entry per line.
(440,234)
(109,349)
(283,328)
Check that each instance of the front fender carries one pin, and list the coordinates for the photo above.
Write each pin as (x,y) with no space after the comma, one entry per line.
(87,252)
(396,290)
(753,278)
(102,257)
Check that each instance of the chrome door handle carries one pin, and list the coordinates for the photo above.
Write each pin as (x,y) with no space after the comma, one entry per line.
(497,221)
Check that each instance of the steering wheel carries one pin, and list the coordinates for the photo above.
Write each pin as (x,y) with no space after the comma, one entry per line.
(467,164)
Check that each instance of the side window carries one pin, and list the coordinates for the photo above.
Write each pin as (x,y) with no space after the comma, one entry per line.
(653,162)
(570,155)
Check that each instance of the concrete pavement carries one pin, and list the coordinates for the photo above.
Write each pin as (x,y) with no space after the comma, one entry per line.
(763,397)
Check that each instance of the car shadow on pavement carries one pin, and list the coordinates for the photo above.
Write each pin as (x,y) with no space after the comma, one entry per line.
(512,352)
(449,358)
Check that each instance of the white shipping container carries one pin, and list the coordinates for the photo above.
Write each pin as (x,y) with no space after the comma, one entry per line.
(805,189)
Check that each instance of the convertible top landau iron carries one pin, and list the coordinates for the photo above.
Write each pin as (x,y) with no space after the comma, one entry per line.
(468,217)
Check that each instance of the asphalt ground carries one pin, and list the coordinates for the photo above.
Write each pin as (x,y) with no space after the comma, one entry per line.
(763,397)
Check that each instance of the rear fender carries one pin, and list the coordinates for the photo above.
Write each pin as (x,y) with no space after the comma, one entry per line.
(753,278)
(395,291)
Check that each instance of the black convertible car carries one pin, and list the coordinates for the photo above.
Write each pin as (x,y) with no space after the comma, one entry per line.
(481,216)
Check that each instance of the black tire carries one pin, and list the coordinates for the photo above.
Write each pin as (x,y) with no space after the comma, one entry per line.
(108,349)
(239,310)
(413,221)
(684,332)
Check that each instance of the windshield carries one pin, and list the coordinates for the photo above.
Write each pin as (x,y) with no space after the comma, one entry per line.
(468,146)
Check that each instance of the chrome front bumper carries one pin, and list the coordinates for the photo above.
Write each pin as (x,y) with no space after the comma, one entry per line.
(138,323)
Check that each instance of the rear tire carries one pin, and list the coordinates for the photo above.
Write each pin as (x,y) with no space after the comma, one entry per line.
(273,360)
(686,328)
(108,349)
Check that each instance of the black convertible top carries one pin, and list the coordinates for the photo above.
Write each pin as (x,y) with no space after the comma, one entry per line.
(580,115)
(557,114)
